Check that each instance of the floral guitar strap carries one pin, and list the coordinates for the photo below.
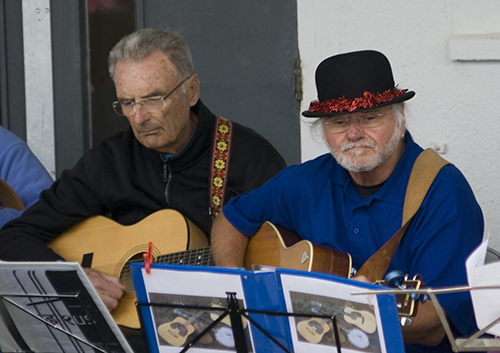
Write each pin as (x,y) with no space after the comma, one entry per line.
(220,164)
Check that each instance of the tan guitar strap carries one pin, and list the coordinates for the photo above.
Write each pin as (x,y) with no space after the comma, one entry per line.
(9,198)
(423,173)
(220,164)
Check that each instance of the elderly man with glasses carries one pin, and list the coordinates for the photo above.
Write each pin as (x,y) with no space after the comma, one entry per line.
(176,155)
(354,201)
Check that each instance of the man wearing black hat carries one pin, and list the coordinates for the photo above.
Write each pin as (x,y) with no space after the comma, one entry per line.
(355,201)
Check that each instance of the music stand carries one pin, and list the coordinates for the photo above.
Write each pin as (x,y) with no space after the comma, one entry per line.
(473,343)
(44,299)
(52,307)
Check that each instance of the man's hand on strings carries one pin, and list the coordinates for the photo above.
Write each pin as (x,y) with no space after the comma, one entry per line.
(108,287)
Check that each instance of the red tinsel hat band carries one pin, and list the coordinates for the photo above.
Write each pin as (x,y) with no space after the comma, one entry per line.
(368,100)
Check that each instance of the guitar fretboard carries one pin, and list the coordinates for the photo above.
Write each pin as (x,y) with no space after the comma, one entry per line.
(195,257)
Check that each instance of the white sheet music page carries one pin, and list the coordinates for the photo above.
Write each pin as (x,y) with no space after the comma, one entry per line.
(485,302)
(52,307)
(175,326)
(359,323)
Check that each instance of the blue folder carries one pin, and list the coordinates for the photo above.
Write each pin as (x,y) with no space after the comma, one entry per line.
(270,301)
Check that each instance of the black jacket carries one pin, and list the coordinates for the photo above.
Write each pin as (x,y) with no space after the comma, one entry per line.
(126,181)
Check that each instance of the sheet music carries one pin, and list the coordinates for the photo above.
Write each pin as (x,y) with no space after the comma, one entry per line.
(324,297)
(192,288)
(485,302)
(52,307)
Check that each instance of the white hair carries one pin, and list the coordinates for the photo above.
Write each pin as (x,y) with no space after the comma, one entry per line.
(144,42)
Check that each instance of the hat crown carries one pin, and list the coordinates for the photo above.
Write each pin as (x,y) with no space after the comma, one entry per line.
(350,75)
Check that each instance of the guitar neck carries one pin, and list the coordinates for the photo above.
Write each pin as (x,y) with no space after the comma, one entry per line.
(329,309)
(191,317)
(195,257)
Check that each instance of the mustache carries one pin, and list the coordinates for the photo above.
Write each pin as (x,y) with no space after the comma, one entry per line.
(146,127)
(346,146)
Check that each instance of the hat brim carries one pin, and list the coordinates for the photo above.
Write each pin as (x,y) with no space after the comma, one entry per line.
(404,97)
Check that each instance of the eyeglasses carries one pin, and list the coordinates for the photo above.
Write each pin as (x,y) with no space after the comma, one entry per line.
(367,120)
(151,104)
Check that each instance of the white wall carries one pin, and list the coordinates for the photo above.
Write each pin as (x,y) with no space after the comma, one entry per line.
(457,102)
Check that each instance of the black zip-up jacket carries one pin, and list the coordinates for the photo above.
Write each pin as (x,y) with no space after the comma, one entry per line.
(126,181)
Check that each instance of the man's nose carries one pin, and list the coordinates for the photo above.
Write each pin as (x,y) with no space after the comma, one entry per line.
(140,114)
(354,129)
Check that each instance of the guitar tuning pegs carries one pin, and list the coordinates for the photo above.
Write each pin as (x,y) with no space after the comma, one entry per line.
(396,279)
(423,297)
(316,311)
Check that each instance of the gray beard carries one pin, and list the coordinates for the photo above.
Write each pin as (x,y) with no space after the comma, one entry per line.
(348,160)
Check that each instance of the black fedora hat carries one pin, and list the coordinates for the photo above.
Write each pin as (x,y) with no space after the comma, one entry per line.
(355,81)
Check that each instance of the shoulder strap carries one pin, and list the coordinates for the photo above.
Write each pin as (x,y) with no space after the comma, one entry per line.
(220,164)
(423,173)
(425,170)
(9,198)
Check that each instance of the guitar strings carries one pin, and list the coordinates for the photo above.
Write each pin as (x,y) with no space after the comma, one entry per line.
(199,257)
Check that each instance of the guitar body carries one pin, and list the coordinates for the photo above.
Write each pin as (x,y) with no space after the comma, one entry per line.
(175,332)
(112,246)
(205,339)
(313,330)
(276,246)
(361,318)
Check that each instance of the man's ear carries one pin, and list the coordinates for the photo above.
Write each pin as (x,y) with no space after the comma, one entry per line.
(193,89)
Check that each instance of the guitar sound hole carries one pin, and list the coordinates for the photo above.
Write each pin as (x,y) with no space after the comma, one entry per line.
(126,277)
(182,330)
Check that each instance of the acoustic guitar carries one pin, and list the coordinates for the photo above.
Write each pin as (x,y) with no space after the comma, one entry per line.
(177,240)
(313,329)
(363,319)
(276,246)
(177,331)
(107,246)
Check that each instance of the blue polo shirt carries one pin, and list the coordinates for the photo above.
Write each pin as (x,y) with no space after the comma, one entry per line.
(318,201)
